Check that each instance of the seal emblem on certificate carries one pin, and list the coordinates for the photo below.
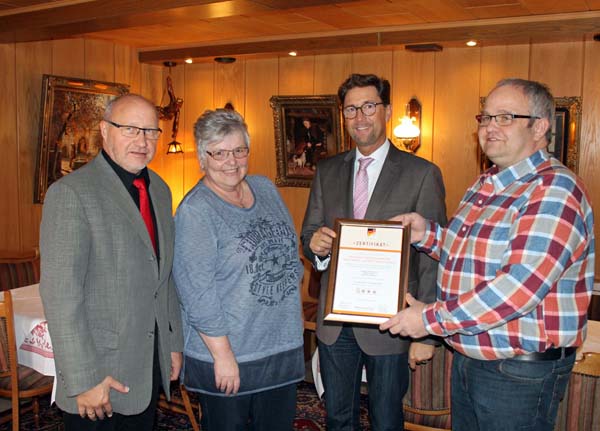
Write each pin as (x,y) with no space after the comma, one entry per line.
(369,264)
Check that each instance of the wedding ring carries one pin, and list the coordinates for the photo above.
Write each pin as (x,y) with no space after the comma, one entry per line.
(91,413)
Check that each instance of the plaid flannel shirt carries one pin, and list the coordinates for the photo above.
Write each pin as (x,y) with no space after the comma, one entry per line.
(516,262)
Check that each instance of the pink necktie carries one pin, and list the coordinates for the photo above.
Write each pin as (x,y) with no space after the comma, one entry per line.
(140,184)
(361,188)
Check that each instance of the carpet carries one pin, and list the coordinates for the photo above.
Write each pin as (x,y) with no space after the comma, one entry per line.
(310,415)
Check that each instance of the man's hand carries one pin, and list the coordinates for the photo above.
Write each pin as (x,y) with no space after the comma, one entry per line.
(419,353)
(417,223)
(322,241)
(227,374)
(176,361)
(408,322)
(95,403)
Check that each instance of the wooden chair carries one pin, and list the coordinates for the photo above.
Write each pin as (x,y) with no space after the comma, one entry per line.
(427,401)
(311,286)
(16,381)
(580,408)
(181,405)
(19,269)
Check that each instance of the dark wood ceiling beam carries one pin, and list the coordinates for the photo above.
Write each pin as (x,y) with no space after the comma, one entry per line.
(516,30)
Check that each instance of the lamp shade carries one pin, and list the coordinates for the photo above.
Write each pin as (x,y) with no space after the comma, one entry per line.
(407,129)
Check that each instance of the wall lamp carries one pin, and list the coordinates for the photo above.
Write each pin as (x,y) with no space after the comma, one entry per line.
(409,130)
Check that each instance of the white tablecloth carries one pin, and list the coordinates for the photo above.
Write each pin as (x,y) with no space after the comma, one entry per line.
(34,347)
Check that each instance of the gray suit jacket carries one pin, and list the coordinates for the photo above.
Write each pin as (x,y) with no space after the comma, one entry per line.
(406,183)
(102,287)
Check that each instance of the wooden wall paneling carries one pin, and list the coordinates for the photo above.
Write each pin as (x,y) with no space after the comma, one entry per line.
(99,60)
(296,76)
(229,85)
(413,76)
(198,97)
(454,127)
(503,61)
(559,66)
(589,146)
(330,71)
(9,162)
(68,58)
(260,86)
(127,68)
(32,61)
(378,63)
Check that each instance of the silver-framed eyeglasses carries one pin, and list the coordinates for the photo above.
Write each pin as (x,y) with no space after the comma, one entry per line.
(367,108)
(501,119)
(238,153)
(133,131)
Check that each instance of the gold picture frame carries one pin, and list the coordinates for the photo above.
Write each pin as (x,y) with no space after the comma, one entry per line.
(307,129)
(71,111)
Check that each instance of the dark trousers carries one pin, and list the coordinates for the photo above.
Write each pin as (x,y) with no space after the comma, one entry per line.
(143,421)
(341,370)
(506,394)
(270,410)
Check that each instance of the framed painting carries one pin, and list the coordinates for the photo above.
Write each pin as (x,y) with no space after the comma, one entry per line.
(307,129)
(565,133)
(70,115)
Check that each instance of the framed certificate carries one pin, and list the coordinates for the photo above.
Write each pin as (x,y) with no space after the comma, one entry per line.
(369,271)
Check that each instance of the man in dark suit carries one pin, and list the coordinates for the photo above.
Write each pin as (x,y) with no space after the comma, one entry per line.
(391,182)
(106,253)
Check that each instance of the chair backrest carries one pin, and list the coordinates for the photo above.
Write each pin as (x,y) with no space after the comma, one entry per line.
(579,410)
(18,269)
(427,402)
(8,351)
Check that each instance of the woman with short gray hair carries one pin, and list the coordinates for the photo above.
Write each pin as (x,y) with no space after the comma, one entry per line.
(237,271)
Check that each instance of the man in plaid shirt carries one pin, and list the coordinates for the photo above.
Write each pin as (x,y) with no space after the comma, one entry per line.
(516,271)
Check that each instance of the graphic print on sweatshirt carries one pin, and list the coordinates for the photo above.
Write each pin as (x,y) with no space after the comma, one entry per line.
(272,264)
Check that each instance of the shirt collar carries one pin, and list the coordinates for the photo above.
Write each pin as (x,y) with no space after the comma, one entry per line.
(378,155)
(517,172)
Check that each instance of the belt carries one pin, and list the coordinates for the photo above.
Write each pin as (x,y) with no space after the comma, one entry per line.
(548,355)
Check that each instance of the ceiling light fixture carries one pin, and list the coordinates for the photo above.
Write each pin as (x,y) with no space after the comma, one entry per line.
(225,60)
(472,43)
(292,53)
(189,60)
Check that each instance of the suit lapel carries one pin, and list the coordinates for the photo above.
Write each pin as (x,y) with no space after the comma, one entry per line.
(346,185)
(108,179)
(384,183)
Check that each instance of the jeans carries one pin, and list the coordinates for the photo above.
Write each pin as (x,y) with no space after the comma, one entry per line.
(507,395)
(269,410)
(341,370)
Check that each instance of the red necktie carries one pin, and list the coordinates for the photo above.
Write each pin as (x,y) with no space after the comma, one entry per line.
(140,184)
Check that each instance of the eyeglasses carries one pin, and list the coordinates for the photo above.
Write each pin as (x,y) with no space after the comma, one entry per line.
(220,155)
(367,108)
(133,131)
(501,119)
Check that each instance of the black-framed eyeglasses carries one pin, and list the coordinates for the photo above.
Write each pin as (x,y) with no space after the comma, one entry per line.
(367,108)
(501,119)
(238,153)
(133,131)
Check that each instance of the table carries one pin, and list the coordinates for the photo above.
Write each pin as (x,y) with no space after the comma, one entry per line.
(34,347)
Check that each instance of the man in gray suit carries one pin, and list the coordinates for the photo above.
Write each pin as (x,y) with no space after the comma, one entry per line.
(395,181)
(106,253)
